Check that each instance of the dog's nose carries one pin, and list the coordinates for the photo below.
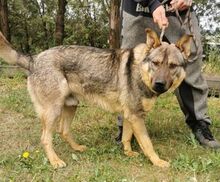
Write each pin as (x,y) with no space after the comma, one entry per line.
(160,86)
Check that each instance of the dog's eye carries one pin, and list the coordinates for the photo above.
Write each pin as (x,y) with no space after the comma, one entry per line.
(172,66)
(155,63)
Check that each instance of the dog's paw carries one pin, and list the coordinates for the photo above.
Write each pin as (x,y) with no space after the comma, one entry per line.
(161,163)
(58,163)
(80,148)
(131,153)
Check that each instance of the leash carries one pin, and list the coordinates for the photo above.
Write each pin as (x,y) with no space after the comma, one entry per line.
(162,33)
(188,21)
(197,44)
(185,22)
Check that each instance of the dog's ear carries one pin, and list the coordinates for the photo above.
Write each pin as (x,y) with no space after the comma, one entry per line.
(184,44)
(152,39)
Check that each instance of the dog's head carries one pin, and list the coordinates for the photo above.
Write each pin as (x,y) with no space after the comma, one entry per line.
(162,64)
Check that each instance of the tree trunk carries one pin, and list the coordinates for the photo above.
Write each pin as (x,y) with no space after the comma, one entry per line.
(59,32)
(4,24)
(114,35)
(42,13)
(26,43)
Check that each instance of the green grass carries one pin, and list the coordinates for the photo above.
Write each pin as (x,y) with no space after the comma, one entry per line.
(104,160)
(212,62)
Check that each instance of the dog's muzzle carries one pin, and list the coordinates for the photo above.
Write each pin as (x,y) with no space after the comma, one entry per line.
(160,86)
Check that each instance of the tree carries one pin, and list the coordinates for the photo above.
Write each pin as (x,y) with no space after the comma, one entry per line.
(59,32)
(4,23)
(41,8)
(114,34)
(87,23)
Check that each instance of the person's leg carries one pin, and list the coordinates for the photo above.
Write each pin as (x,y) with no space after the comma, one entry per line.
(192,93)
(133,31)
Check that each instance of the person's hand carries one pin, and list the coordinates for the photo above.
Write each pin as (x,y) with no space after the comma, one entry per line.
(159,16)
(180,4)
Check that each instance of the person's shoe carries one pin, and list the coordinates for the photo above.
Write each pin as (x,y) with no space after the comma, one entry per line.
(204,136)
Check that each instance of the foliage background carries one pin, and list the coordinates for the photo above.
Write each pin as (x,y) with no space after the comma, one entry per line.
(32,22)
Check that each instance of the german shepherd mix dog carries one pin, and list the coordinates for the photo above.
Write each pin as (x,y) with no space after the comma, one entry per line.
(124,80)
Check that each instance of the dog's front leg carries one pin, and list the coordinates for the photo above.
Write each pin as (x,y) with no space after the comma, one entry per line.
(126,139)
(140,132)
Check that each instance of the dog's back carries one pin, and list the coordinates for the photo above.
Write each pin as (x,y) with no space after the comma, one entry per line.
(80,71)
(76,71)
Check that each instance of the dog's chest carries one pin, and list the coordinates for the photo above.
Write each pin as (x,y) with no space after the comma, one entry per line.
(148,103)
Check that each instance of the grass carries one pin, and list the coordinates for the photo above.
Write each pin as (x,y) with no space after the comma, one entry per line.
(212,61)
(104,160)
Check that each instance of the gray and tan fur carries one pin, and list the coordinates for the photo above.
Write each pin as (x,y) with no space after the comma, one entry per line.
(125,80)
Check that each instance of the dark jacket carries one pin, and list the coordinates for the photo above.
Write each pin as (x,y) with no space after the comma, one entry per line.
(152,4)
(140,7)
(146,7)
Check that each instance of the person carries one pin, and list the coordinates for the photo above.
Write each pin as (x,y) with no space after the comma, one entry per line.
(137,15)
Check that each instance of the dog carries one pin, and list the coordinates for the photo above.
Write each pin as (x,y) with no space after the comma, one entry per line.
(123,80)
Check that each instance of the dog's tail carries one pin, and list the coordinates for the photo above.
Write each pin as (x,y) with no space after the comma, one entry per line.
(11,56)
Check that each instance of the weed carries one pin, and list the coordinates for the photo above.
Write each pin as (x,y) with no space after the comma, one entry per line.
(212,62)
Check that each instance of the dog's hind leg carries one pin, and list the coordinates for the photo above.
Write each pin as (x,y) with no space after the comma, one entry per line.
(65,125)
(126,139)
(48,89)
(49,119)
